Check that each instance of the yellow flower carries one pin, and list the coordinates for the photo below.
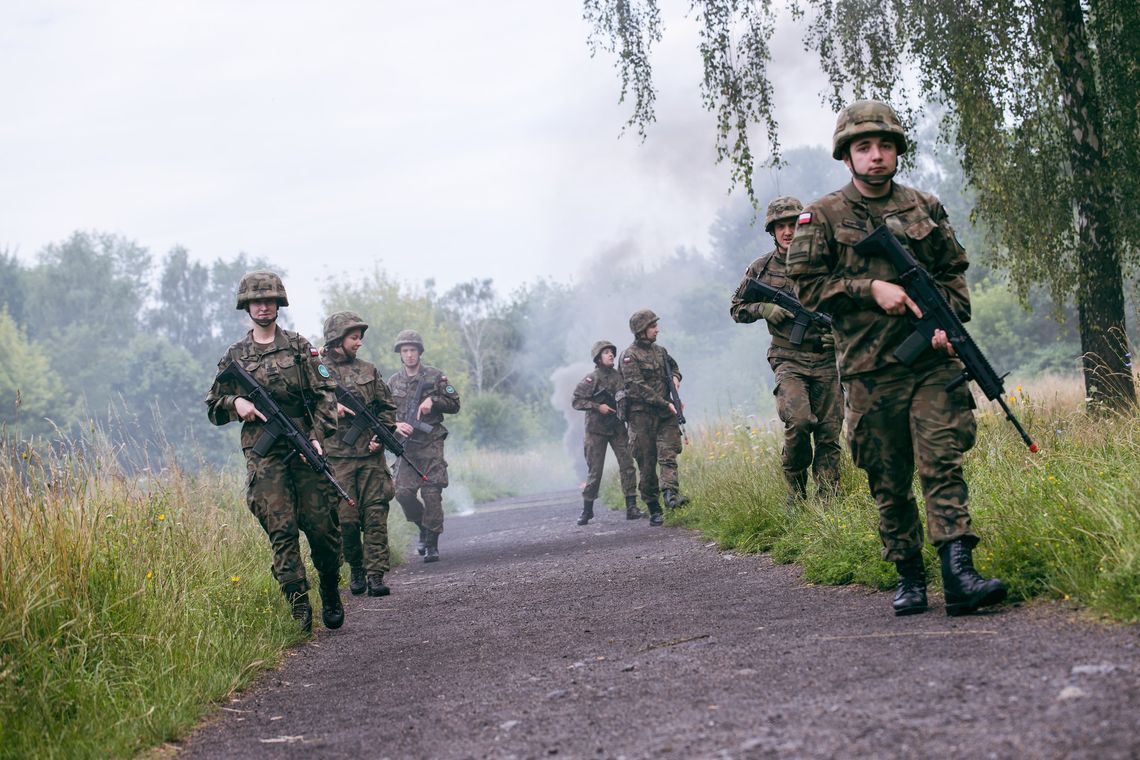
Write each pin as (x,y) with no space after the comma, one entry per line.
(161,517)
(1013,399)
(235,579)
(1052,479)
(149,574)
(1019,389)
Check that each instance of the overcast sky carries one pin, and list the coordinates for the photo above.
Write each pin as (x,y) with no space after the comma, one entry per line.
(437,139)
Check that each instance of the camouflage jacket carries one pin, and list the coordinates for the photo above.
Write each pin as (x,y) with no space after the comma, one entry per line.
(363,379)
(771,269)
(830,277)
(291,372)
(444,400)
(644,367)
(602,382)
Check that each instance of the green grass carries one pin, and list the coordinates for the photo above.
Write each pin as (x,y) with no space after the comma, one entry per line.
(1062,524)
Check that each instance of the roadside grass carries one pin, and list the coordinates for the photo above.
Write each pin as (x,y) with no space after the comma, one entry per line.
(481,475)
(129,603)
(1062,524)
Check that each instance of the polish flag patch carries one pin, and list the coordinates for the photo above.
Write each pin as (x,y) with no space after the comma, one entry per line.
(804,218)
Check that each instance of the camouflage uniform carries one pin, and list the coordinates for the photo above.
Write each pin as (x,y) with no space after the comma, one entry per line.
(283,492)
(654,431)
(604,430)
(808,397)
(424,449)
(363,474)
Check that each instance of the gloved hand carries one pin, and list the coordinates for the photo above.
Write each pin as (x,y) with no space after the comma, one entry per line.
(777,314)
(828,340)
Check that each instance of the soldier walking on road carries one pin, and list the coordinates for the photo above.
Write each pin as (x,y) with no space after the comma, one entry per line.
(896,414)
(423,395)
(283,492)
(647,369)
(808,397)
(360,467)
(598,395)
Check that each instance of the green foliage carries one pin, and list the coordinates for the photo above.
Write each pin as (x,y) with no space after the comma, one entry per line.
(1062,524)
(31,394)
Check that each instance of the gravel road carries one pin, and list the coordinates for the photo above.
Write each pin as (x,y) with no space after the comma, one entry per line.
(535,638)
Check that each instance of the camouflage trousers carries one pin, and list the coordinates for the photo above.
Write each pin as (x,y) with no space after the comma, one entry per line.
(810,404)
(595,448)
(656,441)
(410,489)
(287,498)
(364,528)
(898,417)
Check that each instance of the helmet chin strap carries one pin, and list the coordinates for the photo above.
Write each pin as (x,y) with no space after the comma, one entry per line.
(263,322)
(874,180)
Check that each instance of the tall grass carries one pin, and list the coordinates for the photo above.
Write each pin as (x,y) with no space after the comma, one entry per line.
(1064,523)
(128,602)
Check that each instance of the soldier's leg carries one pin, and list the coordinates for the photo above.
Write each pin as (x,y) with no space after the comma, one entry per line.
(376,492)
(626,470)
(348,473)
(668,448)
(594,448)
(407,486)
(827,406)
(317,514)
(793,404)
(269,496)
(643,439)
(880,442)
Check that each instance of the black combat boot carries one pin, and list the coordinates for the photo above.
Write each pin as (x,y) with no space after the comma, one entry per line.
(421,542)
(797,490)
(631,510)
(910,598)
(587,512)
(964,589)
(376,585)
(656,516)
(332,611)
(674,499)
(356,581)
(431,546)
(298,597)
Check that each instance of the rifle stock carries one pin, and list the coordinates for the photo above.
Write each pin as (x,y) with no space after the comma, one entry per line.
(279,425)
(937,315)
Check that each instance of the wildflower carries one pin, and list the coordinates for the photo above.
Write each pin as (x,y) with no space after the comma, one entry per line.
(1052,479)
(149,574)
(161,517)
(1013,399)
(1019,389)
(235,579)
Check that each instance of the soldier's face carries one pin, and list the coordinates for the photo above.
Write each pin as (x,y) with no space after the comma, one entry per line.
(263,311)
(784,232)
(607,357)
(353,339)
(872,155)
(410,356)
(651,331)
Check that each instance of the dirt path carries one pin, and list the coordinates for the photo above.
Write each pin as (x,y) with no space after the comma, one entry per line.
(534,637)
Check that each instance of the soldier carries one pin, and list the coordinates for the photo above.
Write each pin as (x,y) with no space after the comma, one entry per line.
(654,431)
(422,396)
(282,491)
(895,414)
(808,397)
(598,395)
(361,467)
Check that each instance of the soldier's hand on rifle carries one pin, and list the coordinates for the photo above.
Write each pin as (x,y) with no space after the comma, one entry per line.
(940,342)
(425,407)
(893,299)
(605,409)
(672,409)
(827,340)
(373,445)
(404,429)
(316,447)
(342,410)
(778,315)
(246,410)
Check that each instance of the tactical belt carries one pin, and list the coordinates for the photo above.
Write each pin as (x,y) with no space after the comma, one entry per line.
(807,347)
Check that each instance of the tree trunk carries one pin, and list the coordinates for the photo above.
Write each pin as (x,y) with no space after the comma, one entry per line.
(1100,286)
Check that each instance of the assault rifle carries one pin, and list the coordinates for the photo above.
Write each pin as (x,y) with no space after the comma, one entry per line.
(937,315)
(675,397)
(363,420)
(755,291)
(610,399)
(279,425)
(414,407)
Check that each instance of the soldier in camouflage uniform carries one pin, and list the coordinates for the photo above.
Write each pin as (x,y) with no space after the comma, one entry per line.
(808,398)
(282,491)
(897,415)
(423,395)
(598,396)
(654,431)
(361,467)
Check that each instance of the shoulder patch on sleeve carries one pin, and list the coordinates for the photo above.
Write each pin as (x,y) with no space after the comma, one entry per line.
(323,370)
(626,359)
(588,379)
(449,389)
(804,218)
(313,351)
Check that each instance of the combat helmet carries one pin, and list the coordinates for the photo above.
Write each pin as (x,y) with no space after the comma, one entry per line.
(342,323)
(641,320)
(867,117)
(408,338)
(261,285)
(599,347)
(784,207)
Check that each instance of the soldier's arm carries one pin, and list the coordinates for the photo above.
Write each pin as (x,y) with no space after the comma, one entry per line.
(812,269)
(444,397)
(950,271)
(220,399)
(582,395)
(674,370)
(383,404)
(323,388)
(746,313)
(637,388)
